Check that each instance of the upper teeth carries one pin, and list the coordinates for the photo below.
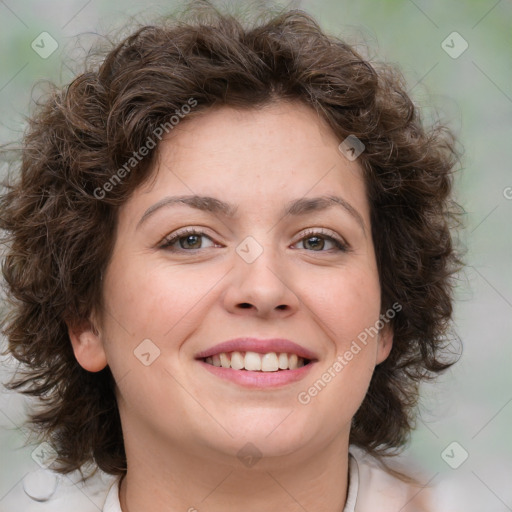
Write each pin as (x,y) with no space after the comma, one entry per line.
(270,362)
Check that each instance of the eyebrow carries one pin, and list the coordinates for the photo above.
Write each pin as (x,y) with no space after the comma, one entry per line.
(203,203)
(216,206)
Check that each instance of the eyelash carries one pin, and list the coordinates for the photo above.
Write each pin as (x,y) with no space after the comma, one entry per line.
(339,244)
(311,233)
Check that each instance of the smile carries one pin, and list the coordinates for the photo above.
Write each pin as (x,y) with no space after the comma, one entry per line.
(255,362)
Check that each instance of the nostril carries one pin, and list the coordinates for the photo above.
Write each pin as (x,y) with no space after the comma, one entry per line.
(245,305)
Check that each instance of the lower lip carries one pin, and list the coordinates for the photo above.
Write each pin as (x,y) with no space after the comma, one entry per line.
(259,379)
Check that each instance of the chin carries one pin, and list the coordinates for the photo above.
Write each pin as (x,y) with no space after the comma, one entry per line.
(274,438)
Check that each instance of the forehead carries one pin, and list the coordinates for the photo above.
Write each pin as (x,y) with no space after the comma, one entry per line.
(281,130)
(254,158)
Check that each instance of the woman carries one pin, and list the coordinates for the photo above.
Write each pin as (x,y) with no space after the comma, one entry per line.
(230,266)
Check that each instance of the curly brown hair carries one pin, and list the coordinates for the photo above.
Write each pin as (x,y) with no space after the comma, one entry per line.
(51,216)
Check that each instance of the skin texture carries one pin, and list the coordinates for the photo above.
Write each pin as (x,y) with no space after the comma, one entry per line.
(183,426)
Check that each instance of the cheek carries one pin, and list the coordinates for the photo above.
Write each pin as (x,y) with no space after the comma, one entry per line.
(151,299)
(346,301)
(156,302)
(347,306)
(139,293)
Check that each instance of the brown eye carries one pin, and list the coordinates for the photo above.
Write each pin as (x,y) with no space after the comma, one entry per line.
(187,241)
(315,243)
(321,242)
(190,242)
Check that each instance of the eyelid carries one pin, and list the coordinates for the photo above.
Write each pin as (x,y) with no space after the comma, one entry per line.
(168,240)
(326,233)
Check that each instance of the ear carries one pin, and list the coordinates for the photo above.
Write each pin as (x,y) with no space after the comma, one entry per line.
(87,346)
(384,344)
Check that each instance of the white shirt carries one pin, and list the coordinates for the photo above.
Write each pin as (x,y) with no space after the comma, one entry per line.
(371,489)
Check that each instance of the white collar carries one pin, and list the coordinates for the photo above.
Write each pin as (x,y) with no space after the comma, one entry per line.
(112,503)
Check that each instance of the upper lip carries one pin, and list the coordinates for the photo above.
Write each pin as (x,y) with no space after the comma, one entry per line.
(261,346)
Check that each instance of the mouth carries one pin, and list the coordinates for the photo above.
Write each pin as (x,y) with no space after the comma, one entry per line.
(256,362)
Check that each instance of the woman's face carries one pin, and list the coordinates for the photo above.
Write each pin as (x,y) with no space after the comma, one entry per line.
(271,240)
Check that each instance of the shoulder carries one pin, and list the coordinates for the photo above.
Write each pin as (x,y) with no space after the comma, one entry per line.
(45,491)
(380,489)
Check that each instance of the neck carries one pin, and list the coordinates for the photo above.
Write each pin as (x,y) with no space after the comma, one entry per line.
(194,480)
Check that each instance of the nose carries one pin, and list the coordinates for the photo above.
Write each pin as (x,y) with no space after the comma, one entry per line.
(261,288)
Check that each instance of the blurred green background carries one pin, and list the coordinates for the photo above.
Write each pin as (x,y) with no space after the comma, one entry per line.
(470,89)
